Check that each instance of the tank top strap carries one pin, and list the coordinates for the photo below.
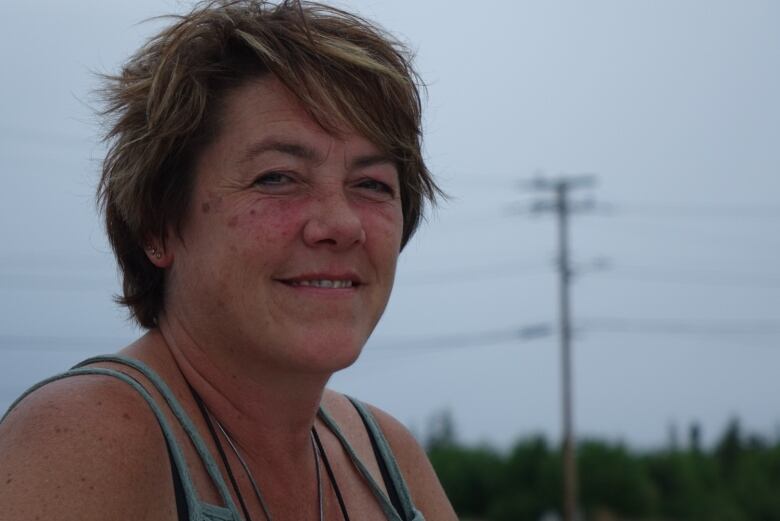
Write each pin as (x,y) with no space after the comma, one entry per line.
(170,438)
(410,513)
(181,416)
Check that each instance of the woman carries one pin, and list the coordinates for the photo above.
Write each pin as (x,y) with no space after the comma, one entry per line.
(263,175)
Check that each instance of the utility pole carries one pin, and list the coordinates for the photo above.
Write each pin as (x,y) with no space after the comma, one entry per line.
(562,207)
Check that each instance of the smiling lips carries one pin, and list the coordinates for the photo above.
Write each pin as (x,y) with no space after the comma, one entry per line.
(322,283)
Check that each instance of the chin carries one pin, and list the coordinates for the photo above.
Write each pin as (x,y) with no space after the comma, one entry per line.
(331,353)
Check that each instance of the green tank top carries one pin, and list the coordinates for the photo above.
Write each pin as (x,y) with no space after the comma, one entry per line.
(202,511)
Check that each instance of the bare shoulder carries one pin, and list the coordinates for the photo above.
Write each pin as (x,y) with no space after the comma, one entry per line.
(427,492)
(78,448)
(424,485)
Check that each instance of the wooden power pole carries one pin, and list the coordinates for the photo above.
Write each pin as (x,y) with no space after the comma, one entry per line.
(562,207)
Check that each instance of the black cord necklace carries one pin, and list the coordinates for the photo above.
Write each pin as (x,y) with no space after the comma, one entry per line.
(220,449)
(331,475)
(256,487)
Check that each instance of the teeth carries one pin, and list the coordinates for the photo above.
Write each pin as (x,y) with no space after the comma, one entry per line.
(336,284)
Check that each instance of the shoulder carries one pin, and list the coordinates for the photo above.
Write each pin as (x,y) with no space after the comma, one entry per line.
(427,492)
(424,485)
(79,447)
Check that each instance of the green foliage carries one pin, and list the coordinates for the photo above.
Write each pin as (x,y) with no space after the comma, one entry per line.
(528,482)
(614,479)
(471,477)
(736,480)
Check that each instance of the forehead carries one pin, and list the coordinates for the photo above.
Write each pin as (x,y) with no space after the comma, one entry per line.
(264,106)
(258,106)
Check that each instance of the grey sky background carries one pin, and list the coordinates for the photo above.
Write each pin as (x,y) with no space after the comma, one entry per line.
(674,105)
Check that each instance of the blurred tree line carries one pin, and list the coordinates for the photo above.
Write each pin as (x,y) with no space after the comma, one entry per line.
(737,479)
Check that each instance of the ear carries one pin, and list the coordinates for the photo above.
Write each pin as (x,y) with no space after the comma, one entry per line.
(157,254)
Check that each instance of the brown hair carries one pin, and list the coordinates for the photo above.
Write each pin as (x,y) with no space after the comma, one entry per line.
(164,105)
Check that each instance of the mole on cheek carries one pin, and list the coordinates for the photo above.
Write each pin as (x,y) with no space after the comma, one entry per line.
(206,207)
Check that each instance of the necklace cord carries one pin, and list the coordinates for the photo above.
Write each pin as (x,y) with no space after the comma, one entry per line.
(331,474)
(319,478)
(317,449)
(248,472)
(266,511)
(221,451)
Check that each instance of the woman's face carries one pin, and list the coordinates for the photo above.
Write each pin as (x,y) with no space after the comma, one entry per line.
(288,253)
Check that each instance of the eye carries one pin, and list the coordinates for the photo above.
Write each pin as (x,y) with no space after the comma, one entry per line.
(273,179)
(376,186)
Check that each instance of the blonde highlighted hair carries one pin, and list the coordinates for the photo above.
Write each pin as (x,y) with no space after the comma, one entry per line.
(165,105)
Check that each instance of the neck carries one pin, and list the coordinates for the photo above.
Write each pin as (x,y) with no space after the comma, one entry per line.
(267,410)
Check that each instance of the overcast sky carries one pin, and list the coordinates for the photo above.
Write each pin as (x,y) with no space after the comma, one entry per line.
(675,107)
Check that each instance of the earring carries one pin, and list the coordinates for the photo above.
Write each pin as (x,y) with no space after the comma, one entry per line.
(154,251)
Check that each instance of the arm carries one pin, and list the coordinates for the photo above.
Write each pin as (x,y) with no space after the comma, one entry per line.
(427,492)
(83,448)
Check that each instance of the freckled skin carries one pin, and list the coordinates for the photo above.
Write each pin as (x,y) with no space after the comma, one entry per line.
(317,216)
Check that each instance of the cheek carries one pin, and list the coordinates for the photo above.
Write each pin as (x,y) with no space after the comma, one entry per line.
(384,230)
(273,223)
(268,223)
(390,223)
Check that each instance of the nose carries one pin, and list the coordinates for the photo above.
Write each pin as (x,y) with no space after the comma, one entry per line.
(334,223)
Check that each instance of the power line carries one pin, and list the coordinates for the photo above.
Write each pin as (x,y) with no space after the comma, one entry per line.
(439,342)
(65,280)
(457,341)
(59,342)
(56,282)
(696,277)
(58,259)
(47,138)
(471,273)
(670,209)
(673,233)
(694,209)
(684,327)
(468,339)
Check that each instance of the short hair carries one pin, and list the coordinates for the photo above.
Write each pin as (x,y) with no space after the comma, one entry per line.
(165,104)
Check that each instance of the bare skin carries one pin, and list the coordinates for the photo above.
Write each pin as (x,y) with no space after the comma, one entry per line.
(79,448)
(279,205)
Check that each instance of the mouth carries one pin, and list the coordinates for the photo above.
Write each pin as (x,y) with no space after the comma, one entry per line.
(324,281)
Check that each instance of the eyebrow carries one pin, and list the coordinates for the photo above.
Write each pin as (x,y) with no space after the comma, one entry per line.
(371,160)
(284,147)
(307,153)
